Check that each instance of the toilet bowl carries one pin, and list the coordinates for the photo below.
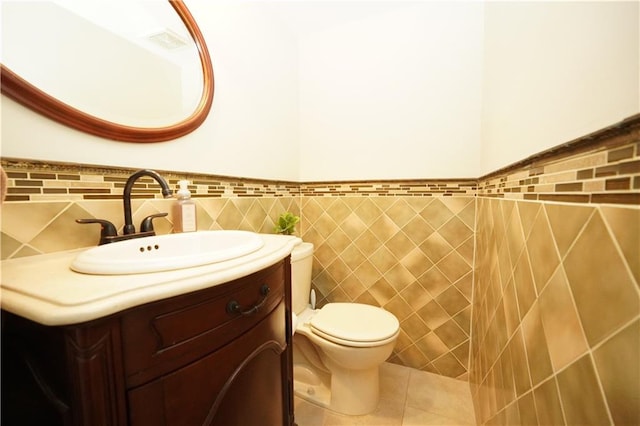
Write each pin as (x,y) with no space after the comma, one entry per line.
(337,349)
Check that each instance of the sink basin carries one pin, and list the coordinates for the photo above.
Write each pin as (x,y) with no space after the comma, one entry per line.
(166,252)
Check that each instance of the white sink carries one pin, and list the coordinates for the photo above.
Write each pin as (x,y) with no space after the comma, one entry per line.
(166,252)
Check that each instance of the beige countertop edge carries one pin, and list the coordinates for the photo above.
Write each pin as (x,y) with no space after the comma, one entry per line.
(50,313)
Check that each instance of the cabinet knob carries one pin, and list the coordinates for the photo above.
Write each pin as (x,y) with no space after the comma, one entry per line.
(233,307)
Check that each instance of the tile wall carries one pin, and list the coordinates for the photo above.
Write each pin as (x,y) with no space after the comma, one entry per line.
(44,200)
(548,310)
(411,255)
(556,314)
(403,245)
(556,301)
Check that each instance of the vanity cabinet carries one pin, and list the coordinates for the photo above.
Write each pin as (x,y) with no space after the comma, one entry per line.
(218,356)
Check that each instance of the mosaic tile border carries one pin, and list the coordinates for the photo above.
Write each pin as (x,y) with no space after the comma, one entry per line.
(391,188)
(40,181)
(602,167)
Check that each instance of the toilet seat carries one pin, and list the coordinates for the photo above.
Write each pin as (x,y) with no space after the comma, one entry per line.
(354,324)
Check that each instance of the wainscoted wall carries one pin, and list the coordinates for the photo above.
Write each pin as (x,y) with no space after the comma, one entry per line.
(44,200)
(556,302)
(411,255)
(545,249)
(556,330)
(406,246)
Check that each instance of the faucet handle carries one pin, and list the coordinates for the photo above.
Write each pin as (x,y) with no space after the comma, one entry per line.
(147,223)
(107,229)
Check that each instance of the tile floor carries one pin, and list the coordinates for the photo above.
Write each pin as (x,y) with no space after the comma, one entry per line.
(408,397)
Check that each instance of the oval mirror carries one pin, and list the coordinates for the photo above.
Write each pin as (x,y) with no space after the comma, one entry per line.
(67,59)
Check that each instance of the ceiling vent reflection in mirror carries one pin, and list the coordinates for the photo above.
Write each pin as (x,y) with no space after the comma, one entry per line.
(175,72)
(168,40)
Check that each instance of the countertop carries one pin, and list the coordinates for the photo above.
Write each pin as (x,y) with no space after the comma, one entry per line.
(44,289)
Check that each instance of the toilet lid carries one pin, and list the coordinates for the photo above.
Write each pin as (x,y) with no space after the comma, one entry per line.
(354,322)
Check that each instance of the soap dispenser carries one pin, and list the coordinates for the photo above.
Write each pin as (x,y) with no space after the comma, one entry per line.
(184,209)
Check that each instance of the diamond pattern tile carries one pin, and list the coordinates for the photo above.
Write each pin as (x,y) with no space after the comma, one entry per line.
(403,252)
(598,278)
(436,213)
(554,282)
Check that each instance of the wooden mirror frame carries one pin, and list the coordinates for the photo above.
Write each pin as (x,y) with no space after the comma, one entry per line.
(23,92)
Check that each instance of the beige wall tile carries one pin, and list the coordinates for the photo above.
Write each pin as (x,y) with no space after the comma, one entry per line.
(401,212)
(536,346)
(455,231)
(432,346)
(434,281)
(625,224)
(453,266)
(527,409)
(415,327)
(23,221)
(523,284)
(8,245)
(512,414)
(602,287)
(452,301)
(542,251)
(400,245)
(619,371)
(382,291)
(553,321)
(413,357)
(566,222)
(564,336)
(399,308)
(520,365)
(451,334)
(436,213)
(63,233)
(416,296)
(353,287)
(433,314)
(580,394)
(511,313)
(436,247)
(548,408)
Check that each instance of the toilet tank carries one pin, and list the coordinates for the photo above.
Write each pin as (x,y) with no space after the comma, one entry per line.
(301,265)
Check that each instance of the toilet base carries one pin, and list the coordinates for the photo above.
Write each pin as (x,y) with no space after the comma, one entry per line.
(353,393)
(310,387)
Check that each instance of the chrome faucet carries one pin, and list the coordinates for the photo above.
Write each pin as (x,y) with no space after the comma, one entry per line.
(126,196)
(108,233)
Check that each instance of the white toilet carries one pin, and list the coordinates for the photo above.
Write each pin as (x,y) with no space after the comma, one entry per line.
(338,349)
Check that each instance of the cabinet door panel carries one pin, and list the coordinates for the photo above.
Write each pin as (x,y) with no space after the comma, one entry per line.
(218,389)
(162,336)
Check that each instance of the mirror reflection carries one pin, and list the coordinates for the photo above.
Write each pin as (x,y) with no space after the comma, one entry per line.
(132,63)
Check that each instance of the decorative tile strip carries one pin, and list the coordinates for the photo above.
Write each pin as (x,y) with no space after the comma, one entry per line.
(391,188)
(35,181)
(603,167)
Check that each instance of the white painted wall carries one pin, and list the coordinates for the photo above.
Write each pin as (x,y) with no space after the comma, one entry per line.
(40,45)
(251,131)
(555,71)
(394,95)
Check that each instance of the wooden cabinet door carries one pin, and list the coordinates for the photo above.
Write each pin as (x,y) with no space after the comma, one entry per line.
(239,384)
